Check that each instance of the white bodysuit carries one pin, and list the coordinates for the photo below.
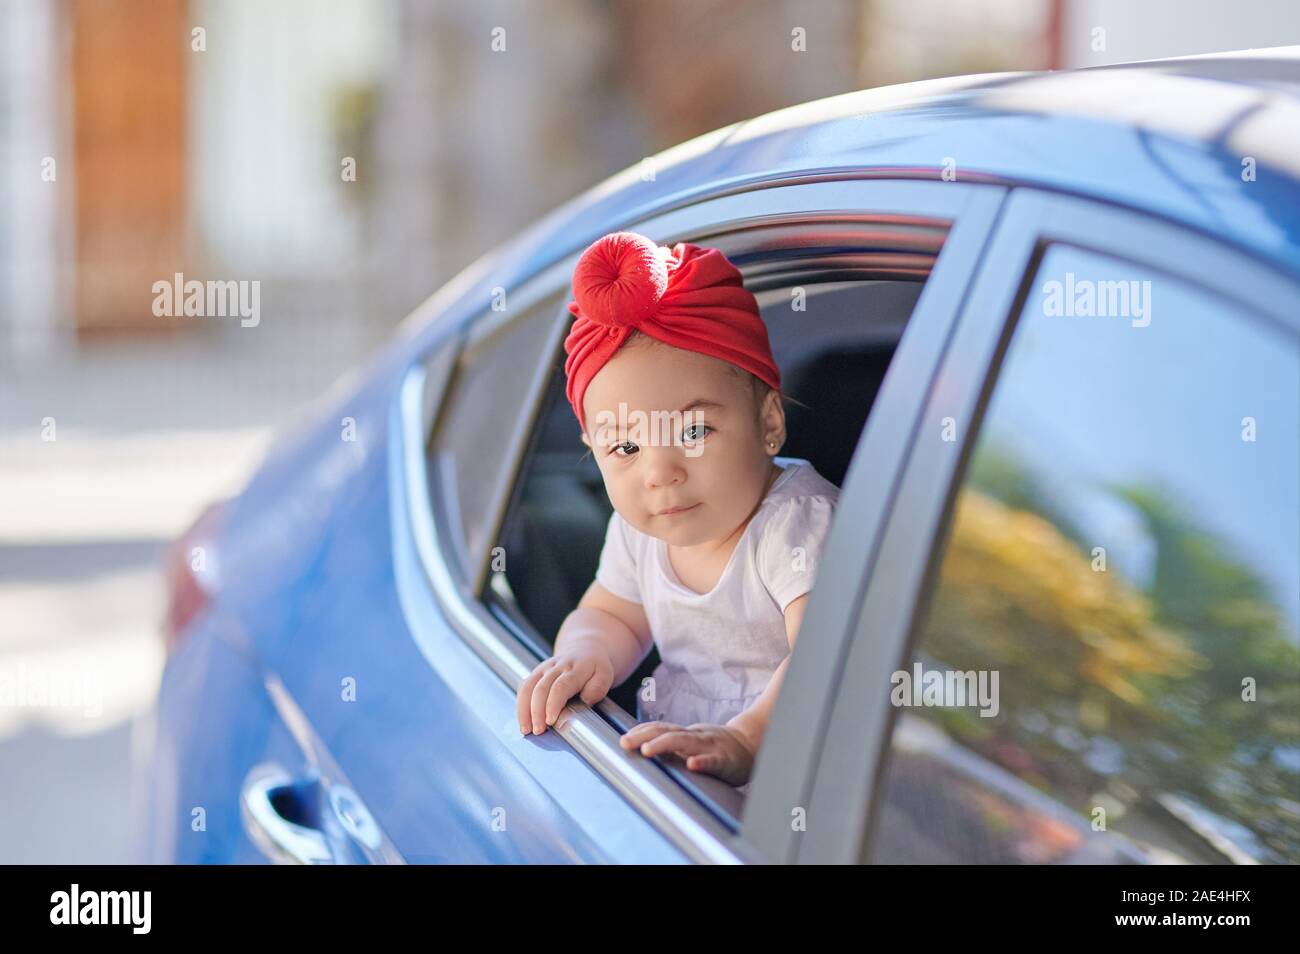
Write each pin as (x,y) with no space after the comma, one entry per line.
(719,649)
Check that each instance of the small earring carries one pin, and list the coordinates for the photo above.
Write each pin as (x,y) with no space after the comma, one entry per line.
(771,443)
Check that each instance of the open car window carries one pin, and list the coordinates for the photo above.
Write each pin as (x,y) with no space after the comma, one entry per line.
(835,317)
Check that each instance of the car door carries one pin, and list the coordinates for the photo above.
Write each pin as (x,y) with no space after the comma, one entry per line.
(228,779)
(458,480)
(1093,565)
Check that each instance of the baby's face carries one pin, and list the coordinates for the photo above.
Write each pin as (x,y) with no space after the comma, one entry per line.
(713,457)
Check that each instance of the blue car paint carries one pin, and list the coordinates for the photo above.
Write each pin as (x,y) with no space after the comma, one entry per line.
(317,590)
(211,724)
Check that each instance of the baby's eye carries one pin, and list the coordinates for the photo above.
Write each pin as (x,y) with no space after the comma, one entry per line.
(696,432)
(628,444)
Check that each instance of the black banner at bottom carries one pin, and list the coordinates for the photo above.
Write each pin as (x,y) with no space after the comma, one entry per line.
(330,904)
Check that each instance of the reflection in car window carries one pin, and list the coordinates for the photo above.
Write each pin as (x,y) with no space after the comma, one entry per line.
(471,443)
(1125,556)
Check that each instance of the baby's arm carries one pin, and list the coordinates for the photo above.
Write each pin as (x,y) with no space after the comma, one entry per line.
(725,751)
(599,645)
(752,723)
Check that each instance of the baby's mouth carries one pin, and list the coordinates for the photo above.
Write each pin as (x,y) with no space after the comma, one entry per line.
(676,510)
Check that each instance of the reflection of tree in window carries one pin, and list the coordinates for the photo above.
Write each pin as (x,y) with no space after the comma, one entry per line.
(1113,695)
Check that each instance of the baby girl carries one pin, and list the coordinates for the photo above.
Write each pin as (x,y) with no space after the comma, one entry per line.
(714,540)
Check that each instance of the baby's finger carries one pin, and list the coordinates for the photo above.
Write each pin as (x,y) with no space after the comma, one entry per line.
(683,743)
(707,762)
(562,690)
(597,687)
(644,731)
(541,692)
(524,698)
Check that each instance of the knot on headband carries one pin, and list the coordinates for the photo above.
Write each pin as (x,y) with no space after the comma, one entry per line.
(620,280)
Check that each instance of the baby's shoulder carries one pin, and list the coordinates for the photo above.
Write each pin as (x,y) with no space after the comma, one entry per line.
(799,512)
(802,500)
(801,487)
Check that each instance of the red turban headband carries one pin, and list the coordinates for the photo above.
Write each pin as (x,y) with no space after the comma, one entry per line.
(687,296)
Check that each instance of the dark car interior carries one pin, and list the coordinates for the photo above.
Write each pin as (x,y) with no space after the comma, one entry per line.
(833,357)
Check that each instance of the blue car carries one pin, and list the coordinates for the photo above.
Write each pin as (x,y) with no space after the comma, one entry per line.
(1043,331)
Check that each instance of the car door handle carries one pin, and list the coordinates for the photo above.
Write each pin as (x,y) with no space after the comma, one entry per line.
(285,817)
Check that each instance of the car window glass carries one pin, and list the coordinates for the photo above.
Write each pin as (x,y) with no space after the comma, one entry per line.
(1118,593)
(470,447)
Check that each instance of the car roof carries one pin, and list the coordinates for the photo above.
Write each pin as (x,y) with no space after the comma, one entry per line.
(1166,137)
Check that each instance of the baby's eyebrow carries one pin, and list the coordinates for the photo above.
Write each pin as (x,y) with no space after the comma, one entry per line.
(699,402)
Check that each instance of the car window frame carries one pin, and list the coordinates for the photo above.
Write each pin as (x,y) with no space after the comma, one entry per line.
(846,788)
(722,799)
(969,210)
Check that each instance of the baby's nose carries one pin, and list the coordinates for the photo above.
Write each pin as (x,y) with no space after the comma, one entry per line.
(663,469)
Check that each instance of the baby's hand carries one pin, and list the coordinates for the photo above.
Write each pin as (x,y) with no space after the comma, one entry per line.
(584,669)
(716,750)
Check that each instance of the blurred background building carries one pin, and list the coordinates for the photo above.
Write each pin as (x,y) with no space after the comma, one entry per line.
(350,157)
